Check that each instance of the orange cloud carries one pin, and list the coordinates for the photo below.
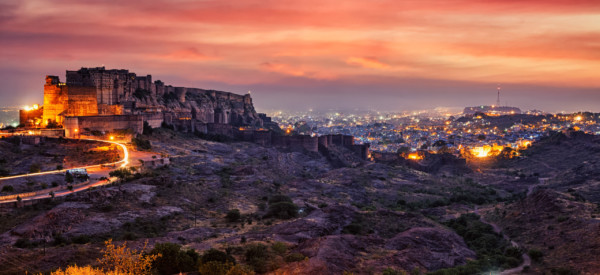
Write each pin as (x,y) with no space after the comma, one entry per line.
(367,62)
(189,54)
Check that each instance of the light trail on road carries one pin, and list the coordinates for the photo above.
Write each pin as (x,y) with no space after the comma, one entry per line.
(125,161)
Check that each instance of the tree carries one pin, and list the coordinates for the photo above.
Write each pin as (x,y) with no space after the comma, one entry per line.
(174,259)
(51,194)
(117,260)
(121,173)
(215,255)
(52,124)
(69,177)
(122,260)
(59,167)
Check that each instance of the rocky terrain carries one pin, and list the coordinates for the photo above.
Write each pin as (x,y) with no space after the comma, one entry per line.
(315,214)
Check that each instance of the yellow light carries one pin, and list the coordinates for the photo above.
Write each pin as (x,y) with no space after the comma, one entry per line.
(481,152)
(112,138)
(578,118)
(415,156)
(35,106)
(76,130)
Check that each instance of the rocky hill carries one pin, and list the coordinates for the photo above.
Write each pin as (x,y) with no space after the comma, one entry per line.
(282,212)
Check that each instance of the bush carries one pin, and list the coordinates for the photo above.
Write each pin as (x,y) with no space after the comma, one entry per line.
(215,255)
(173,259)
(282,210)
(233,215)
(8,188)
(279,248)
(35,168)
(294,257)
(257,256)
(142,143)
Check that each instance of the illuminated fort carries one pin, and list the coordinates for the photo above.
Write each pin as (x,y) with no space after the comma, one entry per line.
(96,101)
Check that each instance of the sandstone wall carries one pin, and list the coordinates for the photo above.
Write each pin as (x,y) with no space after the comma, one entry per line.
(74,125)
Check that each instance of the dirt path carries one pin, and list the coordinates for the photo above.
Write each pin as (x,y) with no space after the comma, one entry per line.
(498,230)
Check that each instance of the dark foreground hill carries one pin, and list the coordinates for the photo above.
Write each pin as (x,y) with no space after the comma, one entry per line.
(283,213)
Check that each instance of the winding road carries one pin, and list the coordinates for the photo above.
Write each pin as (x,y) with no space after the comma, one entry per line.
(95,172)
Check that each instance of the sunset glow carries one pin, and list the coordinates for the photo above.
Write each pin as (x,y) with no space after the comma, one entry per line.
(315,44)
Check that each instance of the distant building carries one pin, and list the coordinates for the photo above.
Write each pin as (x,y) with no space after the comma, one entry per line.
(492,110)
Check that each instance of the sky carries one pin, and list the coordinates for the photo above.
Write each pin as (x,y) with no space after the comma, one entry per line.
(389,55)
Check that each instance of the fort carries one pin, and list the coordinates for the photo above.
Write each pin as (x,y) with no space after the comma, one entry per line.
(96,101)
(106,100)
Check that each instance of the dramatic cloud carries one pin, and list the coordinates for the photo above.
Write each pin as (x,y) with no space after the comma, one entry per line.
(312,46)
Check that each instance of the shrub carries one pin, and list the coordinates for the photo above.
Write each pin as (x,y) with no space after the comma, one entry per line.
(257,256)
(174,259)
(8,188)
(279,248)
(294,257)
(35,168)
(233,215)
(121,173)
(215,255)
(142,143)
(282,210)
(122,260)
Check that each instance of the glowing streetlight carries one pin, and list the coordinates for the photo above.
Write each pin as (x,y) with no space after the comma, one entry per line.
(112,138)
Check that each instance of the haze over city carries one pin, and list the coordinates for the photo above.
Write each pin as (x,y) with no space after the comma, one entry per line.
(384,55)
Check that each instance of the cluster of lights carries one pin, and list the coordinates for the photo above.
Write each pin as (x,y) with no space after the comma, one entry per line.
(31,108)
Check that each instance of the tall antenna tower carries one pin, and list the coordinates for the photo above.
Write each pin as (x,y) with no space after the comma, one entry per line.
(498,99)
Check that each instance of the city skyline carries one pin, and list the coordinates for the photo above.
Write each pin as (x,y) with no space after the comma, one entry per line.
(379,55)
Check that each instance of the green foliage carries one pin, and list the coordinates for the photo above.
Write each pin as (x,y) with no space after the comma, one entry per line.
(391,271)
(493,252)
(279,248)
(35,168)
(121,173)
(174,259)
(282,210)
(141,143)
(215,255)
(281,207)
(228,268)
(258,256)
(233,215)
